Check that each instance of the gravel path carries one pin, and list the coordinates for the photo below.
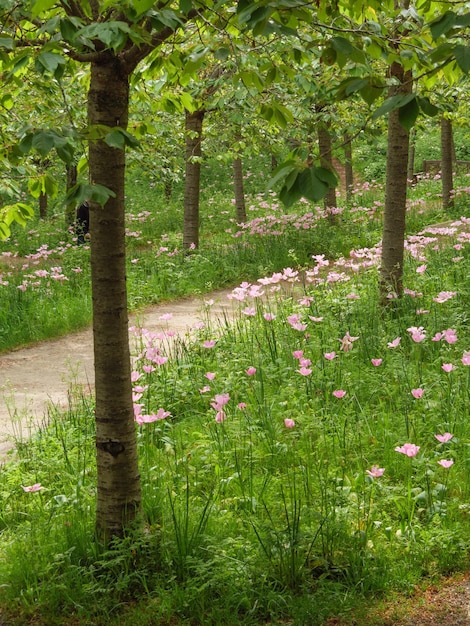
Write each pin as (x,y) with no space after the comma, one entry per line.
(34,378)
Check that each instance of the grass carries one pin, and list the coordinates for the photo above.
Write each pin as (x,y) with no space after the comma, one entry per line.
(264,495)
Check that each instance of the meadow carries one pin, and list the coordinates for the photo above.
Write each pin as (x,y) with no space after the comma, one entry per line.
(296,463)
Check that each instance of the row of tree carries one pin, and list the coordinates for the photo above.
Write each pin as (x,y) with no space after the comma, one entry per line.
(284,59)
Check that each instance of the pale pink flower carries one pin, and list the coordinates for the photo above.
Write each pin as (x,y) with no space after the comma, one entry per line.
(304,371)
(251,371)
(444,438)
(153,417)
(204,389)
(269,317)
(394,343)
(418,334)
(450,335)
(289,423)
(305,362)
(446,463)
(148,369)
(421,269)
(417,393)
(210,343)
(241,406)
(166,316)
(409,449)
(466,358)
(249,311)
(376,362)
(443,296)
(329,356)
(347,342)
(315,319)
(160,360)
(339,393)
(220,416)
(298,354)
(375,471)
(135,376)
(32,488)
(447,367)
(210,375)
(220,400)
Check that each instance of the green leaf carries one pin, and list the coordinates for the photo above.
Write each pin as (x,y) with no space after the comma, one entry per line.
(281,172)
(141,6)
(394,102)
(310,184)
(427,107)
(43,142)
(442,25)
(342,45)
(39,6)
(222,54)
(81,192)
(326,176)
(7,42)
(462,56)
(119,138)
(18,212)
(408,113)
(49,61)
(185,6)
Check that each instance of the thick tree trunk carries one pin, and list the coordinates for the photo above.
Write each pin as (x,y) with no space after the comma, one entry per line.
(71,181)
(119,492)
(348,167)
(446,163)
(240,207)
(194,122)
(393,239)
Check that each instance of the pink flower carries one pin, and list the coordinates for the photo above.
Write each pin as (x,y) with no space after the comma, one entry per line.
(418,334)
(251,371)
(210,375)
(135,376)
(298,354)
(443,296)
(160,360)
(466,358)
(304,371)
(347,342)
(220,416)
(447,367)
(375,471)
(421,269)
(446,463)
(241,406)
(32,488)
(329,356)
(394,343)
(210,343)
(450,335)
(269,317)
(289,423)
(376,362)
(204,389)
(444,438)
(409,449)
(249,311)
(417,393)
(339,393)
(219,401)
(148,369)
(166,316)
(315,319)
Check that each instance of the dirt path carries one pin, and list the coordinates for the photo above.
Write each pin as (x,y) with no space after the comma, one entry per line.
(34,378)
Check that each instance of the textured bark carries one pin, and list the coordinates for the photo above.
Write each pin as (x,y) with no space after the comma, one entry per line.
(446,163)
(326,160)
(71,181)
(119,493)
(240,207)
(411,158)
(194,122)
(348,166)
(393,240)
(43,206)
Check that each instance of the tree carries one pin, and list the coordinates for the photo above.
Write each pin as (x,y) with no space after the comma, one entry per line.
(447,160)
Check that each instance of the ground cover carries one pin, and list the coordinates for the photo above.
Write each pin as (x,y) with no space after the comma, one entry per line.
(309,456)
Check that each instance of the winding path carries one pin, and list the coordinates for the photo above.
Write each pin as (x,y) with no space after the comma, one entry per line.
(34,378)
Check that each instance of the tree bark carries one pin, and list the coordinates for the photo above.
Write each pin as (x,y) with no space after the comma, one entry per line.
(348,167)
(194,122)
(446,163)
(119,492)
(240,206)
(43,206)
(71,181)
(411,157)
(326,161)
(393,239)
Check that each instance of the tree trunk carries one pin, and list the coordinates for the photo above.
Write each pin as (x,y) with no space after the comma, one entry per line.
(348,167)
(240,207)
(71,181)
(393,239)
(43,206)
(326,161)
(194,122)
(446,163)
(119,492)
(411,158)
